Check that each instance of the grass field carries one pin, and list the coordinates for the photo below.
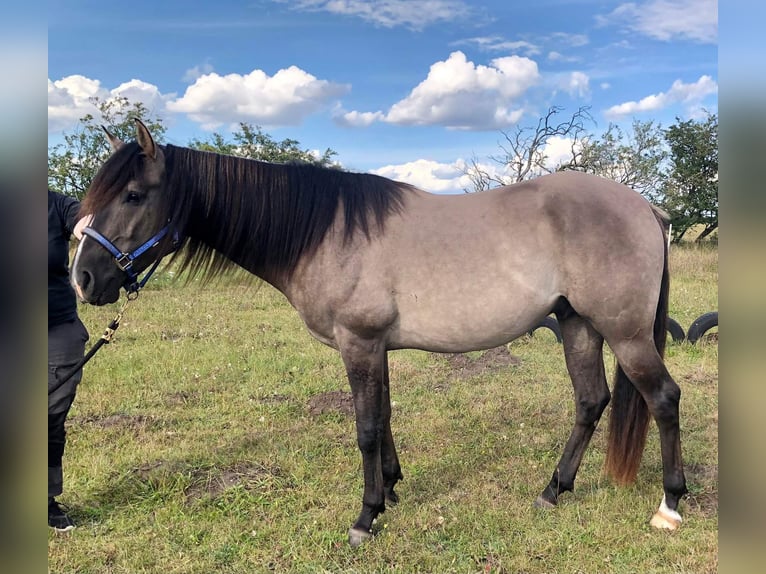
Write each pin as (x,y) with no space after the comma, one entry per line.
(213,435)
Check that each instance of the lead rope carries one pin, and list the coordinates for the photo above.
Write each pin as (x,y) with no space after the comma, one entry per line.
(105,339)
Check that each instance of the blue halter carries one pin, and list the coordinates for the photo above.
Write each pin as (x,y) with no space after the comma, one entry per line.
(124,260)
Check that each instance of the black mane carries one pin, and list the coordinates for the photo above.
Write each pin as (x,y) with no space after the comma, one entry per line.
(260,215)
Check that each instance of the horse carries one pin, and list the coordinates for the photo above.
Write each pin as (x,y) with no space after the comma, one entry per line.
(373,265)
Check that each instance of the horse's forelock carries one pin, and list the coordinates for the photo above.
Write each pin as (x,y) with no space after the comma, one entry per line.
(122,166)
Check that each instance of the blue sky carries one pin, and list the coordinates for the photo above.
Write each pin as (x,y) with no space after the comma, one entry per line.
(405,88)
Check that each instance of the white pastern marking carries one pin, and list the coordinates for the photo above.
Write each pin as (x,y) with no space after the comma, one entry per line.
(665,519)
(667,512)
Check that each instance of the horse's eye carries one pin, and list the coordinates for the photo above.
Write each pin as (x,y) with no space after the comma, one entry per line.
(133,198)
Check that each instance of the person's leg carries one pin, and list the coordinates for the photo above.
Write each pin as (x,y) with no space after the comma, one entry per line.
(66,346)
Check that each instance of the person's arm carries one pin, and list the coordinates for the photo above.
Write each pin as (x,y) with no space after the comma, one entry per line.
(81,223)
(69,208)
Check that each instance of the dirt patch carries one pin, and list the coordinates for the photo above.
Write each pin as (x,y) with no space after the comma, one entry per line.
(172,336)
(181,398)
(214,481)
(706,474)
(711,338)
(464,365)
(702,376)
(154,472)
(332,402)
(703,499)
(207,482)
(273,399)
(706,503)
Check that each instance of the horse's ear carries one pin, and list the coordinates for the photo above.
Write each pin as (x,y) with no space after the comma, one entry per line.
(145,140)
(115,142)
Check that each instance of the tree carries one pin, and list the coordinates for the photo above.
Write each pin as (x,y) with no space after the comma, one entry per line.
(691,188)
(73,164)
(636,160)
(524,152)
(251,142)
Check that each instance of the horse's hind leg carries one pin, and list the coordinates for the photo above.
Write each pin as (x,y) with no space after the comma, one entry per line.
(583,348)
(643,366)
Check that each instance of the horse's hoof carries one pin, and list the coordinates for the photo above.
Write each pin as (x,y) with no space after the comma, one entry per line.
(356,537)
(392,499)
(665,521)
(542,503)
(665,518)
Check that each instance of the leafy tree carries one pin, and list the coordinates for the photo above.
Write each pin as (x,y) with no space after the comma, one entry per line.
(636,160)
(73,164)
(691,188)
(251,142)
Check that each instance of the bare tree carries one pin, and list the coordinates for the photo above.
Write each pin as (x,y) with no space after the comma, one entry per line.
(481,179)
(524,150)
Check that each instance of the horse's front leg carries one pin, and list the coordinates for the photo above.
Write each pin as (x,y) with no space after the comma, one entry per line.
(365,364)
(392,471)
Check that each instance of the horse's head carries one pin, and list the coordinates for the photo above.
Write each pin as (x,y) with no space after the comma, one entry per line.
(127,226)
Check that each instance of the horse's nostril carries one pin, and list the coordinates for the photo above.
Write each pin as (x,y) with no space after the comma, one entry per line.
(85,280)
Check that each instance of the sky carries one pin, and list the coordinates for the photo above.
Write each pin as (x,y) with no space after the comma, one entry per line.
(408,89)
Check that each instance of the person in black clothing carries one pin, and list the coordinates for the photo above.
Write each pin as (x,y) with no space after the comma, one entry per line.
(66,345)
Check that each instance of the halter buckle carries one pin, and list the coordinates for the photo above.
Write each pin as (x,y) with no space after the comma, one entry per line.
(124,262)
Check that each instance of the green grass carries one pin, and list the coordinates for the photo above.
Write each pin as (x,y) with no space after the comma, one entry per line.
(193,449)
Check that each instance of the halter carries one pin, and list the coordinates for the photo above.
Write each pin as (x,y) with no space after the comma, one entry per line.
(124,260)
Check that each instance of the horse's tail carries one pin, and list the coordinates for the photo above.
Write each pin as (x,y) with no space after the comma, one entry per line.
(629,417)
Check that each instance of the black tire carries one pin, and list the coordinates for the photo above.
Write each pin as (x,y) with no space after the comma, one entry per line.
(702,325)
(548,323)
(676,331)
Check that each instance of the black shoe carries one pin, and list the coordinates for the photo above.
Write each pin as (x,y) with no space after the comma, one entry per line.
(57,518)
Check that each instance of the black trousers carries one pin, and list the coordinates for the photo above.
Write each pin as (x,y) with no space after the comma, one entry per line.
(66,347)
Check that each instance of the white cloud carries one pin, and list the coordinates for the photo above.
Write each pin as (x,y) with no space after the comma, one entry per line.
(286,98)
(553,43)
(498,44)
(554,56)
(461,95)
(69,99)
(358,119)
(429,175)
(200,70)
(577,84)
(689,94)
(573,40)
(147,94)
(558,150)
(695,20)
(390,13)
